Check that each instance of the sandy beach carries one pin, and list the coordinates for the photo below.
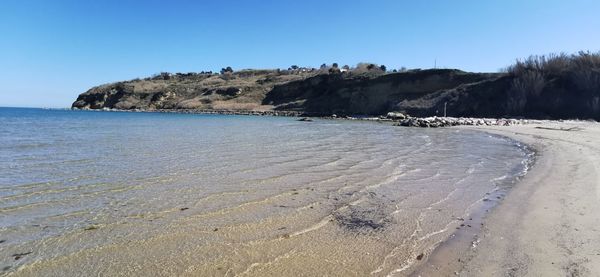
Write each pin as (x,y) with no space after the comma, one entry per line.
(549,223)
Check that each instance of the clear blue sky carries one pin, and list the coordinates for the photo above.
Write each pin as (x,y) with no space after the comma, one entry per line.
(50,51)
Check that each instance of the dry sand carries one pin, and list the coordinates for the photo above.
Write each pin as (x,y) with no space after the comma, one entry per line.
(549,223)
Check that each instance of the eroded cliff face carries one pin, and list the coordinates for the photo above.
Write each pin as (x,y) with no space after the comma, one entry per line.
(497,97)
(310,92)
(335,94)
(417,92)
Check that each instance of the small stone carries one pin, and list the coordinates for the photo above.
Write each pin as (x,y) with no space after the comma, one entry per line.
(184,208)
(420,256)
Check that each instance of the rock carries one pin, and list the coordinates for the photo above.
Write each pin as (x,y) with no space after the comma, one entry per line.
(434,122)
(305,119)
(395,115)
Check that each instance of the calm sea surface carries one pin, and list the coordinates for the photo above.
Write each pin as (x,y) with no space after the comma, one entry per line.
(145,194)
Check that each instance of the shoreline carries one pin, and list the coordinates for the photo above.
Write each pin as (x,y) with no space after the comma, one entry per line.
(398,119)
(547,224)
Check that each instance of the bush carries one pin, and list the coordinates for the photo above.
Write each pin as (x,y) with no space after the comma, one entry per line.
(226,70)
(528,84)
(586,72)
(576,73)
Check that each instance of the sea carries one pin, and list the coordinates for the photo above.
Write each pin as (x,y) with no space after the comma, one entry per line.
(164,194)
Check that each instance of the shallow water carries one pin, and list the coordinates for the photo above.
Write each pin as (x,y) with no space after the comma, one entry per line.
(149,194)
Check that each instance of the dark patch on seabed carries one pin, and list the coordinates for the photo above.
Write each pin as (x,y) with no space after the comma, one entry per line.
(362,220)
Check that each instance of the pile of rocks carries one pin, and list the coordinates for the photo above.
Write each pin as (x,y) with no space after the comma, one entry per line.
(453,121)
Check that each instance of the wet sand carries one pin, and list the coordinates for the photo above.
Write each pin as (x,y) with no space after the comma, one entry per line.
(548,224)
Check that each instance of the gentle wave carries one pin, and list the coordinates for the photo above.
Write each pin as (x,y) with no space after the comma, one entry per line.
(236,195)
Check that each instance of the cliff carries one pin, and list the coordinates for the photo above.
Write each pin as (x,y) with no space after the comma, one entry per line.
(556,87)
(339,94)
(312,91)
(242,90)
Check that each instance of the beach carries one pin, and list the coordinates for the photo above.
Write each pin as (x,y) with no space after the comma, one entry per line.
(549,223)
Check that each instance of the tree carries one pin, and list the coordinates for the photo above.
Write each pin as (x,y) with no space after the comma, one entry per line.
(323,66)
(294,67)
(370,66)
(383,68)
(227,69)
(346,67)
(334,65)
(165,75)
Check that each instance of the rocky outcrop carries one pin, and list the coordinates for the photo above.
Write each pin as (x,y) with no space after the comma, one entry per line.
(242,90)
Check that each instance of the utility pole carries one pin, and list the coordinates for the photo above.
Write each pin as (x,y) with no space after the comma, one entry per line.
(435,63)
(445,108)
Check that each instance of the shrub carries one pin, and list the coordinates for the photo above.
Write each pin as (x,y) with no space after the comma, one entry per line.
(226,70)
(586,72)
(577,72)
